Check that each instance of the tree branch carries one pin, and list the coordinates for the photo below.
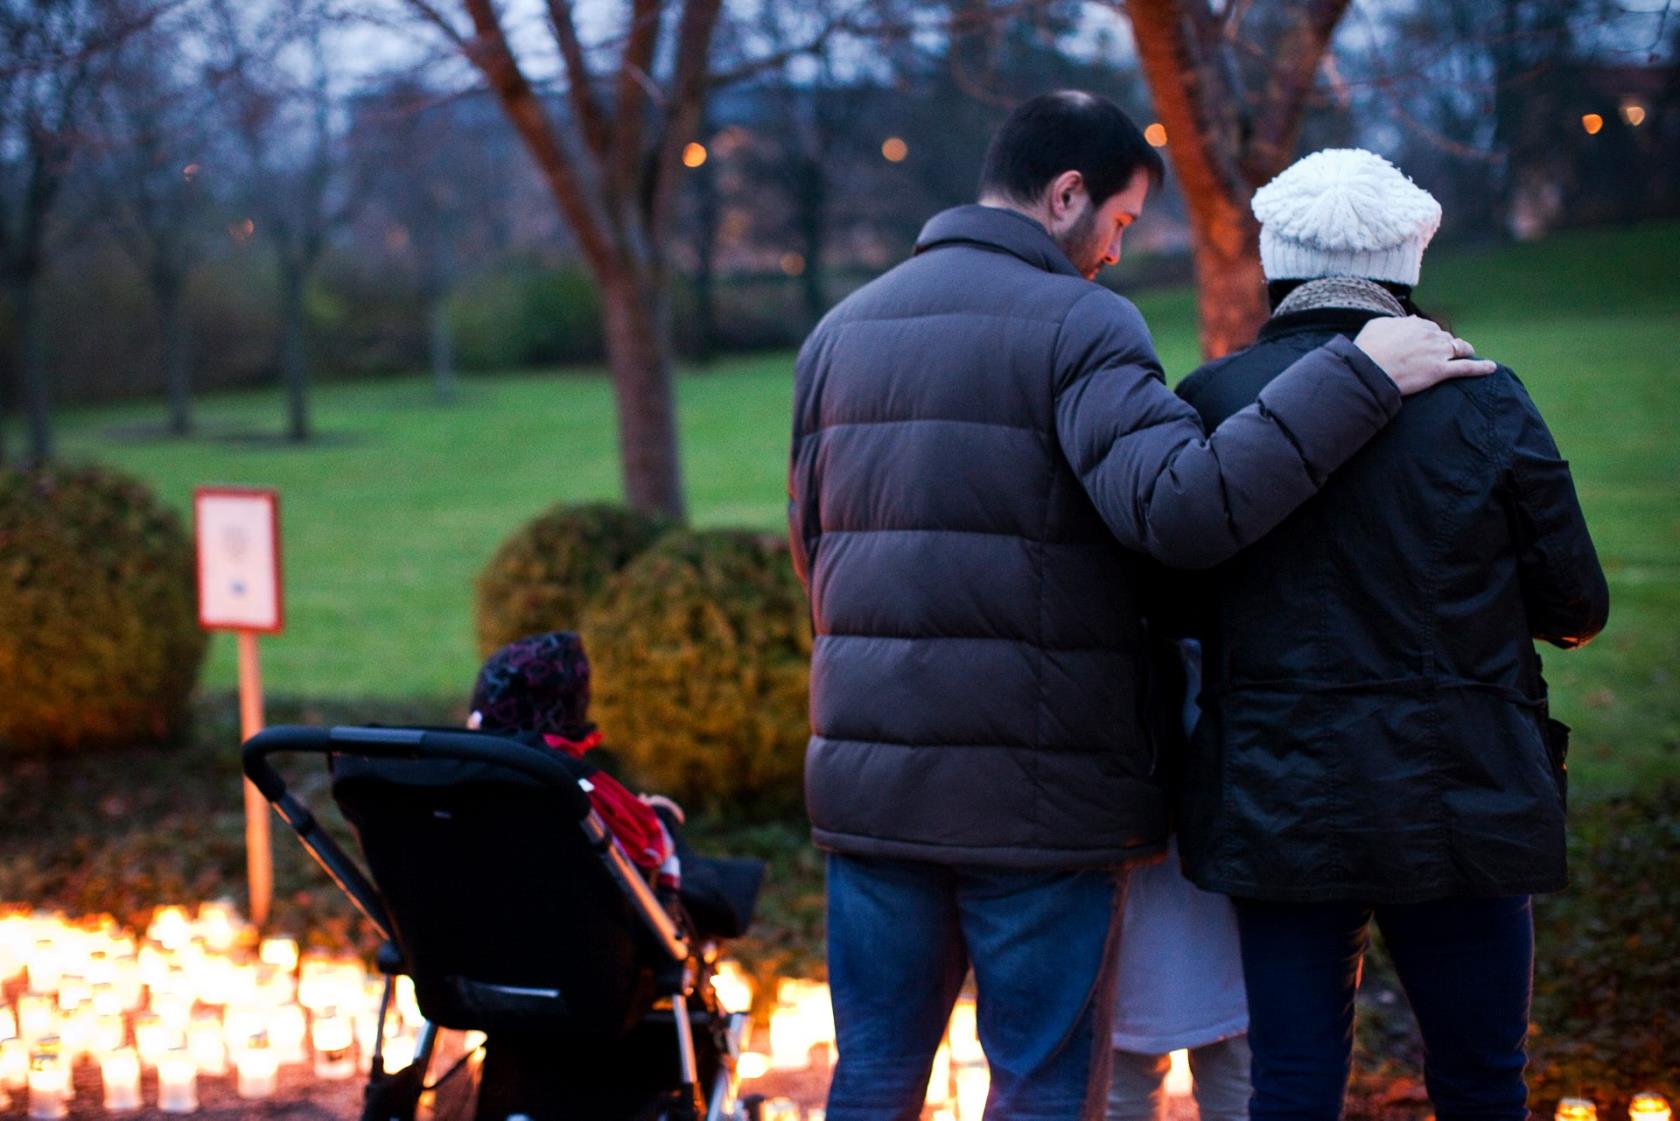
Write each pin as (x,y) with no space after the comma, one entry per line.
(630,97)
(580,84)
(489,51)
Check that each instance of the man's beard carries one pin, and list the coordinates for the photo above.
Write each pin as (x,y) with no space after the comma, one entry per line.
(1075,242)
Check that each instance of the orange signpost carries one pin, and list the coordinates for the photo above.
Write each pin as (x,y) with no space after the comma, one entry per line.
(237,530)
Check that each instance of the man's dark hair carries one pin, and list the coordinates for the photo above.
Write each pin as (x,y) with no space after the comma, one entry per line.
(1068,130)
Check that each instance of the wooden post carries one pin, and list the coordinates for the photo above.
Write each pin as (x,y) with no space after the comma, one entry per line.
(259,857)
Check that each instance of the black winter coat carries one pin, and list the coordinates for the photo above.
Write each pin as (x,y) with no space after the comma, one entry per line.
(984,452)
(1374,721)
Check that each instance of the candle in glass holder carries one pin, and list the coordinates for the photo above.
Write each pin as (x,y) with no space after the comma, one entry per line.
(398,1052)
(153,1038)
(46,966)
(8,1023)
(974,1082)
(256,1069)
(170,927)
(121,1071)
(173,1009)
(109,1033)
(287,1031)
(14,1064)
(49,1086)
(177,1081)
(279,951)
(939,1078)
(1648,1106)
(334,1039)
(1576,1109)
(37,1015)
(204,1040)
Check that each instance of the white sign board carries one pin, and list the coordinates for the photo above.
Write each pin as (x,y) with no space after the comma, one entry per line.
(238,533)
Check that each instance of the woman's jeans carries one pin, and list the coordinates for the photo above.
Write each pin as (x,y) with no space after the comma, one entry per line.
(901,937)
(1467,967)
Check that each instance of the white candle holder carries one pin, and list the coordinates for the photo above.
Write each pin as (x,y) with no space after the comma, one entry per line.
(256,1071)
(177,1082)
(121,1072)
(49,1087)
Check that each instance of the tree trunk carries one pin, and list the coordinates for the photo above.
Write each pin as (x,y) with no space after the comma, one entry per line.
(294,359)
(813,206)
(636,310)
(32,373)
(1230,286)
(177,374)
(442,347)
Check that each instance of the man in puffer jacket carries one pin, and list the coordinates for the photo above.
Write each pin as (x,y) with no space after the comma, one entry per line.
(985,458)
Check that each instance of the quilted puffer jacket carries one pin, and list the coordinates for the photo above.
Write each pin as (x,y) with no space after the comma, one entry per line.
(985,461)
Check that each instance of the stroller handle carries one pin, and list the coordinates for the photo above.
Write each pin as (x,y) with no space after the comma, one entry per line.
(393,743)
(430,743)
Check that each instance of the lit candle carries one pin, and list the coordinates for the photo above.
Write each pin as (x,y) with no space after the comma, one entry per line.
(14,1064)
(398,1052)
(1178,1082)
(790,1045)
(109,1033)
(49,1086)
(280,951)
(732,987)
(8,1023)
(1649,1106)
(974,1082)
(287,1031)
(45,966)
(204,1040)
(964,1034)
(121,1071)
(37,1015)
(153,1038)
(177,1081)
(1576,1109)
(333,1038)
(256,1068)
(752,1064)
(939,1079)
(170,928)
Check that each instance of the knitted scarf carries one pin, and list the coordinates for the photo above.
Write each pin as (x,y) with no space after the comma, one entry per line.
(1341,292)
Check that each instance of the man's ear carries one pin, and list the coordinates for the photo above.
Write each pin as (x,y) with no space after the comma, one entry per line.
(1063,196)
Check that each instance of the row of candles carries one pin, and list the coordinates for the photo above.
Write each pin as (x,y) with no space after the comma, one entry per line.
(200,994)
(196,994)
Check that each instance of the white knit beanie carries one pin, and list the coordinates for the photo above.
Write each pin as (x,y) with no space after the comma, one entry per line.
(1344,212)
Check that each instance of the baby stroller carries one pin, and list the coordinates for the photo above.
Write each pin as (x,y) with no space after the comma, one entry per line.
(500,893)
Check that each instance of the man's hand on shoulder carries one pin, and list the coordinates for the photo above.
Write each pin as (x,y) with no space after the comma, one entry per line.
(1417,354)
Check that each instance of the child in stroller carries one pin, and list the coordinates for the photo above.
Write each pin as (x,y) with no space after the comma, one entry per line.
(594,992)
(536,690)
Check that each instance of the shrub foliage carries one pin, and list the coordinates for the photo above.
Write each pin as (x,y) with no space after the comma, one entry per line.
(1606,973)
(99,637)
(701,650)
(542,575)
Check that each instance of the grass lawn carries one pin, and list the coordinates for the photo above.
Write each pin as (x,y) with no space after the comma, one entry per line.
(389,515)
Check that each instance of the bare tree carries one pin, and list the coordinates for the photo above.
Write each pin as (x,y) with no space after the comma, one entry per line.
(1230,81)
(611,160)
(52,57)
(270,72)
(148,185)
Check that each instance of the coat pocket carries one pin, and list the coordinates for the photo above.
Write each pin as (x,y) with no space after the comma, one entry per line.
(1556,733)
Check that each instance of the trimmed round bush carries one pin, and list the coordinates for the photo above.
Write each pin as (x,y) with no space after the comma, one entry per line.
(99,636)
(544,573)
(701,650)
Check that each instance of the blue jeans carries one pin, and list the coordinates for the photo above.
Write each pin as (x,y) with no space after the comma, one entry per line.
(1467,967)
(901,937)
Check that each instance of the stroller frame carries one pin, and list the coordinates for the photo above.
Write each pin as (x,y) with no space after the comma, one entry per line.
(395,1096)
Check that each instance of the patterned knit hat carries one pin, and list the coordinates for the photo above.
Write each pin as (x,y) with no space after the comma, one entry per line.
(535,684)
(1344,212)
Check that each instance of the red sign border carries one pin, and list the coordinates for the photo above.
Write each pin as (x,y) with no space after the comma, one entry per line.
(273,497)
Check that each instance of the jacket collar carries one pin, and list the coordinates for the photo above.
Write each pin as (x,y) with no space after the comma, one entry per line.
(1335,320)
(993,227)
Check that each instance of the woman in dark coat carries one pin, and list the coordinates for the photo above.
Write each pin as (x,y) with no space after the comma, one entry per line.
(1375,741)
